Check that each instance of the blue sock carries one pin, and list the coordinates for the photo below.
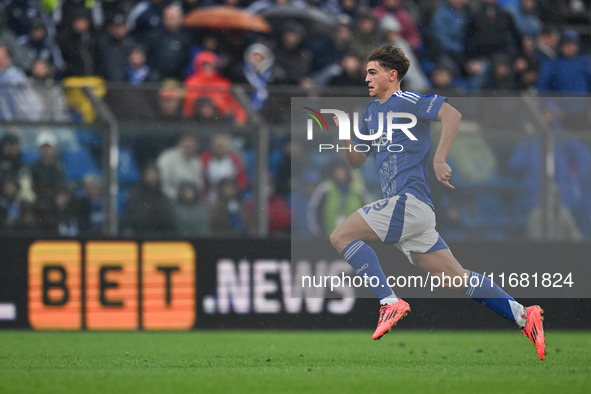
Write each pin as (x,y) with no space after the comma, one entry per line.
(365,261)
(482,289)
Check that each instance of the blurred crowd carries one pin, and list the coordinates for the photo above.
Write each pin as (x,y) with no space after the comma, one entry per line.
(201,186)
(188,190)
(453,44)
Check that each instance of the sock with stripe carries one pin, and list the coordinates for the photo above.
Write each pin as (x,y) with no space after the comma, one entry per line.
(364,261)
(482,289)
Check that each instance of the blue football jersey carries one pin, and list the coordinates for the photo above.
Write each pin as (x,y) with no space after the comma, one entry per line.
(402,162)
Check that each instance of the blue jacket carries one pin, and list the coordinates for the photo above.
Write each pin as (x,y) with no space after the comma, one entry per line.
(565,75)
(449,28)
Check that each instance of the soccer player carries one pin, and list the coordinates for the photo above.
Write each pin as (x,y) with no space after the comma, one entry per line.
(405,216)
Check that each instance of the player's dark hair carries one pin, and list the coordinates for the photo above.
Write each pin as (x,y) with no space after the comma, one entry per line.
(391,57)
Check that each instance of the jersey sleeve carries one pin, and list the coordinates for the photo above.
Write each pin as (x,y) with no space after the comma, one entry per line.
(427,107)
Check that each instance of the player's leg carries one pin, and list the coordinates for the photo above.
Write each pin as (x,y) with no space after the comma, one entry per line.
(351,229)
(349,239)
(442,263)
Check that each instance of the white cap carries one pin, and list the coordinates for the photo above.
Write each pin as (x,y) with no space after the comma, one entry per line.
(46,138)
(390,23)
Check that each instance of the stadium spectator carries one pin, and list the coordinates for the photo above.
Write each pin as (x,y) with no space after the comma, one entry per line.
(258,70)
(181,164)
(327,52)
(547,44)
(110,8)
(168,49)
(526,18)
(68,10)
(448,29)
(78,45)
(220,162)
(527,67)
(22,14)
(391,29)
(334,199)
(206,81)
(570,72)
(442,75)
(351,72)
(291,55)
(47,174)
(54,106)
(113,49)
(409,29)
(10,203)
(502,77)
(230,49)
(22,56)
(190,213)
(170,100)
(148,209)
(257,6)
(365,33)
(137,71)
(145,18)
(66,211)
(42,45)
(563,227)
(12,166)
(206,112)
(17,100)
(353,8)
(227,214)
(330,7)
(208,41)
(445,76)
(91,206)
(490,32)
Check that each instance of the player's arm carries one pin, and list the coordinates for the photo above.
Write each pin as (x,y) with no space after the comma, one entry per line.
(450,123)
(354,158)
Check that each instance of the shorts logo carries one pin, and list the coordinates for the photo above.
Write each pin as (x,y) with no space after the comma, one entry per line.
(378,206)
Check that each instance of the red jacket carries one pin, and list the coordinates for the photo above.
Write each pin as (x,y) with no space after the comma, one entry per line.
(211,85)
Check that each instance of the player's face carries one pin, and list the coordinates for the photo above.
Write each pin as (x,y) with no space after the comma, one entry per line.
(379,80)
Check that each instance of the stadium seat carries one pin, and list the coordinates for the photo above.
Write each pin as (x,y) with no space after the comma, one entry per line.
(128,172)
(29,155)
(488,217)
(78,163)
(122,195)
(248,156)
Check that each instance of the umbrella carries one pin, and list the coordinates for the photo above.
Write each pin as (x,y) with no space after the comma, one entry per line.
(313,19)
(226,18)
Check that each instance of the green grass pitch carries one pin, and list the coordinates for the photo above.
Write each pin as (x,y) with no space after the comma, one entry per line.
(292,361)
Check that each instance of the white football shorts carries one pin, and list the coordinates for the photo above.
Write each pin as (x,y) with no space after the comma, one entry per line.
(405,221)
